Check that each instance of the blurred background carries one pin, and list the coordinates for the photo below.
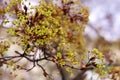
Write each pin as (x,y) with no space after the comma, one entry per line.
(102,32)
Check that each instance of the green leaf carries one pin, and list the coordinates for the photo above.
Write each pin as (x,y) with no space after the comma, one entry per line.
(59,55)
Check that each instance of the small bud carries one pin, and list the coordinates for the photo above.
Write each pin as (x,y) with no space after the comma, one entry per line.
(92,58)
(45,74)
(25,8)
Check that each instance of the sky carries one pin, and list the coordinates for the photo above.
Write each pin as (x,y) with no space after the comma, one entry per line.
(104,16)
